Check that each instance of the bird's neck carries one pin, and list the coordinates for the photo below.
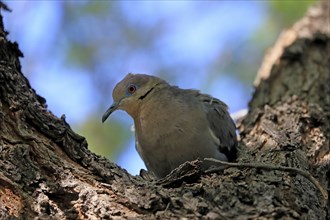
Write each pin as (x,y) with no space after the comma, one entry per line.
(143,102)
(152,92)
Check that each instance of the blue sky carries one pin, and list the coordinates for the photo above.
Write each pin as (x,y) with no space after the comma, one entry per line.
(192,37)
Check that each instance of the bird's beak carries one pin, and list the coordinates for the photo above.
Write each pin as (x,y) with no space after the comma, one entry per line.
(111,109)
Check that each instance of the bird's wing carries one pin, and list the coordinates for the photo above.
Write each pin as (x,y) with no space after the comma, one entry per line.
(221,124)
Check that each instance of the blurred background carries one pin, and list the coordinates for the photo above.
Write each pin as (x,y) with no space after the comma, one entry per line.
(76,51)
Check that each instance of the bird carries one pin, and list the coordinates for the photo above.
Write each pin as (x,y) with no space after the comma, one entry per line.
(174,125)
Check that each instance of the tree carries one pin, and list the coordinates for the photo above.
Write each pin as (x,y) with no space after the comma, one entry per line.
(47,171)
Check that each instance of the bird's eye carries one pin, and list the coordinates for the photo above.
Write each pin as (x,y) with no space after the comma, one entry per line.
(131,89)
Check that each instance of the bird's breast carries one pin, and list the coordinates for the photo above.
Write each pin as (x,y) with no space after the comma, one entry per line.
(151,128)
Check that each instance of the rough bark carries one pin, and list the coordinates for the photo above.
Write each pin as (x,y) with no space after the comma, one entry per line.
(47,171)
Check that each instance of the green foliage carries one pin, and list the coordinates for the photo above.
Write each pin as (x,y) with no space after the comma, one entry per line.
(79,54)
(106,139)
(289,11)
(97,8)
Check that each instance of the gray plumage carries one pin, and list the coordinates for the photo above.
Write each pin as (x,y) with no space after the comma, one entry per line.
(174,125)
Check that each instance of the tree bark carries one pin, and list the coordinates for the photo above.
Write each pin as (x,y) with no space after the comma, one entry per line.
(47,171)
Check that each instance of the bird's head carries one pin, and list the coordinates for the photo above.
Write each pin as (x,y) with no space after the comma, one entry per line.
(129,94)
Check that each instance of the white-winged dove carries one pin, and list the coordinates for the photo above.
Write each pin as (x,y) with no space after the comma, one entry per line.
(174,125)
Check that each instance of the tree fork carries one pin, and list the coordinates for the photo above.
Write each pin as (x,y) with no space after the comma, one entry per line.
(47,171)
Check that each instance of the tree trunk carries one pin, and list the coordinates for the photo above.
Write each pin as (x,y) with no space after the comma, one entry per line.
(47,172)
